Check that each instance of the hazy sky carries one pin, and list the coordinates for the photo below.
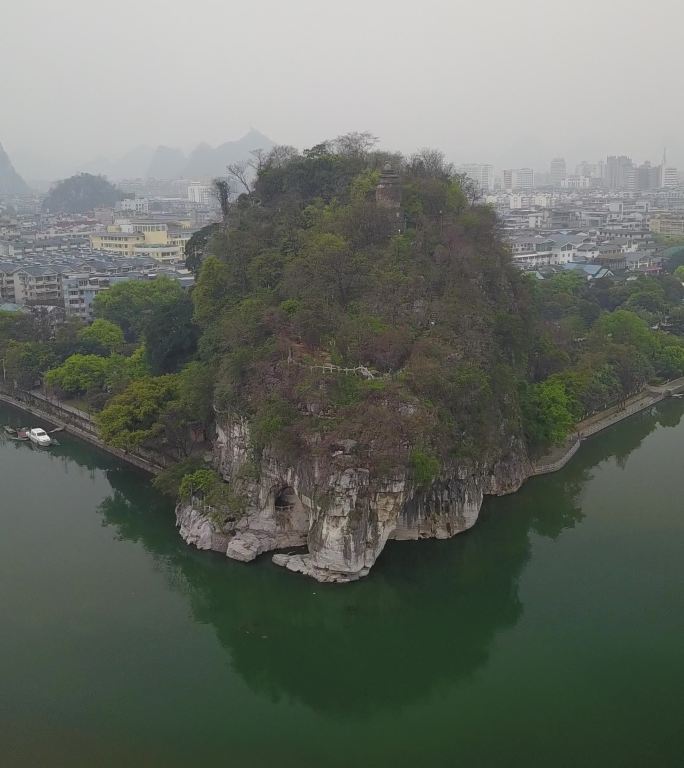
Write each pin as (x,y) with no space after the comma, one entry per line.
(512,82)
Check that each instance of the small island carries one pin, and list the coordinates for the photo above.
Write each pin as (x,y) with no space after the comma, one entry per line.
(359,359)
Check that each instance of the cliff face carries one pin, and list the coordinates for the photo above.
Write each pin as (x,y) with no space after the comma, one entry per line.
(11,182)
(335,507)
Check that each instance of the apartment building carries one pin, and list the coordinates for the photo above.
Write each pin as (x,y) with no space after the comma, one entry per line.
(30,284)
(667,223)
(160,240)
(481,173)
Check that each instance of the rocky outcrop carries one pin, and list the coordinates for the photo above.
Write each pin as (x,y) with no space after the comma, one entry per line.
(336,508)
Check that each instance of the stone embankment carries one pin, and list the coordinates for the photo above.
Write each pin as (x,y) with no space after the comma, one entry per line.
(648,397)
(78,423)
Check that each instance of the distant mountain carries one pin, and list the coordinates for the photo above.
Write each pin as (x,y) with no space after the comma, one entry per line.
(166,163)
(205,161)
(163,162)
(132,165)
(11,182)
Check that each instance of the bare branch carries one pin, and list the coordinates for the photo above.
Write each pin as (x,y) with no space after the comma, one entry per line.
(238,172)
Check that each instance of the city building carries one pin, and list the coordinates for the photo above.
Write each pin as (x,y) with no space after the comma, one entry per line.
(670,177)
(558,172)
(32,284)
(521,179)
(481,174)
(647,177)
(203,194)
(667,223)
(161,240)
(137,205)
(576,182)
(620,173)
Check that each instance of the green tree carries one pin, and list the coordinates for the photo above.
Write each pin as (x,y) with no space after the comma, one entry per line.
(196,247)
(133,417)
(129,304)
(547,413)
(101,338)
(624,327)
(25,361)
(79,374)
(157,311)
(211,294)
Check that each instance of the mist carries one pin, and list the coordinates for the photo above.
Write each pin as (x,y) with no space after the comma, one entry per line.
(511,84)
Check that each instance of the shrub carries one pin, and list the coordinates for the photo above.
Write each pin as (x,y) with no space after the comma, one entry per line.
(424,467)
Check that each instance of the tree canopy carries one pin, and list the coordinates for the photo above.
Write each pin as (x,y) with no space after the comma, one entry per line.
(80,194)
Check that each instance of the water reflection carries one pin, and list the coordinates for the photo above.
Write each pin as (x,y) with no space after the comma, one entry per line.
(424,621)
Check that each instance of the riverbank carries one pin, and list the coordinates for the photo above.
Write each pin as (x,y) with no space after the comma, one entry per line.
(81,424)
(557,458)
(76,423)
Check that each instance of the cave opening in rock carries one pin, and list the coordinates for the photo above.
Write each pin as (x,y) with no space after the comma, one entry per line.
(286,500)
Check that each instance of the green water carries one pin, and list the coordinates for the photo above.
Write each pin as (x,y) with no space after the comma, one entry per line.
(552,634)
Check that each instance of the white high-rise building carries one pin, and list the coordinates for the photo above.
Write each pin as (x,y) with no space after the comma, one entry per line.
(519,179)
(482,174)
(200,193)
(670,177)
(523,179)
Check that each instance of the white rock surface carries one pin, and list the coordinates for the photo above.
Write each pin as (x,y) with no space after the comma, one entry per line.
(340,512)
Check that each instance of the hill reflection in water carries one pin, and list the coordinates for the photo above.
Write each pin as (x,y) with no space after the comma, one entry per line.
(422,622)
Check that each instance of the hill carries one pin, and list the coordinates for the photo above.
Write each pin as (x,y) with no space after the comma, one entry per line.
(80,194)
(363,355)
(11,182)
(379,363)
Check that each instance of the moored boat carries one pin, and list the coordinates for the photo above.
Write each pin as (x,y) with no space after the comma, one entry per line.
(39,436)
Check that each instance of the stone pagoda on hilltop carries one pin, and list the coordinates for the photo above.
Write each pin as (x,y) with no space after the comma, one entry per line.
(388,191)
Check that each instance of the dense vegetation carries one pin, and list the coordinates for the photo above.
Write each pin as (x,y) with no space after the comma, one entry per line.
(327,311)
(80,194)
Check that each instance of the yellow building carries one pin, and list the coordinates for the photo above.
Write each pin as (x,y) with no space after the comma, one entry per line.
(667,224)
(161,240)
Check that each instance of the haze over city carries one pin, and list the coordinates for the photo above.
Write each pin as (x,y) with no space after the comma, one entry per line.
(513,84)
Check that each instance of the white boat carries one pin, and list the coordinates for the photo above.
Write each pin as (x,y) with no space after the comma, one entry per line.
(39,436)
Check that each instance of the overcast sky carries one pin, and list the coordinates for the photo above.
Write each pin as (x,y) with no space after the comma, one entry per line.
(512,82)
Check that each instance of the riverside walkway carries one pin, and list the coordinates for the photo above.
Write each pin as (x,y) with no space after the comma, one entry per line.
(82,425)
(561,454)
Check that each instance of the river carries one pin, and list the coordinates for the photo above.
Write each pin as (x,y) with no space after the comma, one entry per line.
(552,634)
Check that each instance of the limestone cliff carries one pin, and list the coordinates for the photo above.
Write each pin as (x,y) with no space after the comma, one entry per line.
(337,508)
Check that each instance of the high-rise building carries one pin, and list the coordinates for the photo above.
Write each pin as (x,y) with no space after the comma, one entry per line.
(620,173)
(648,176)
(481,174)
(200,193)
(591,170)
(524,179)
(558,171)
(519,179)
(670,177)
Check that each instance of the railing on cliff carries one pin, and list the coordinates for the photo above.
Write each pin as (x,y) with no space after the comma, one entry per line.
(359,370)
